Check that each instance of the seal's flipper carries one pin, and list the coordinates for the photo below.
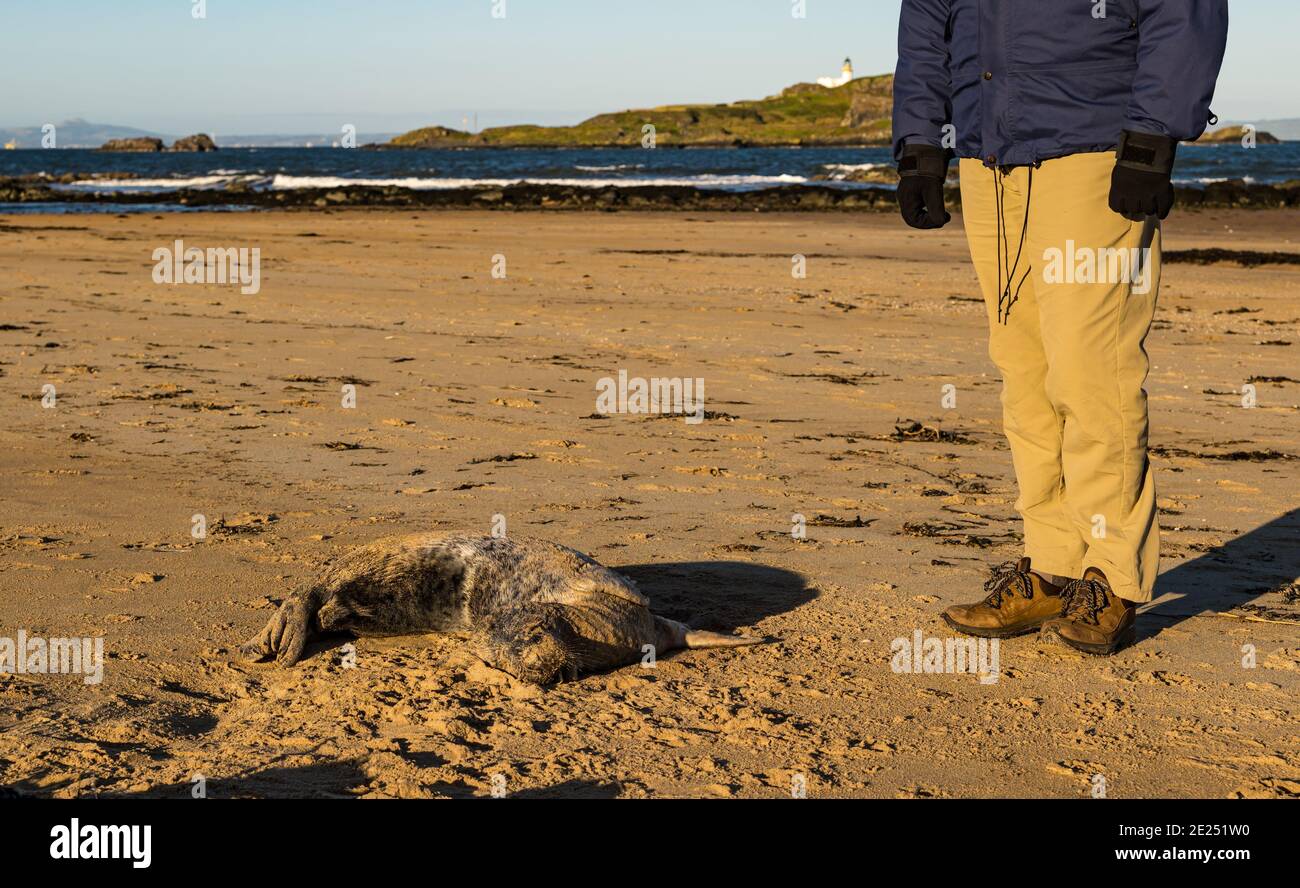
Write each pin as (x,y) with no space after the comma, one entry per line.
(285,635)
(584,589)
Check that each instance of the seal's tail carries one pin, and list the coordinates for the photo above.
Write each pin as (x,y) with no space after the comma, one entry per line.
(674,635)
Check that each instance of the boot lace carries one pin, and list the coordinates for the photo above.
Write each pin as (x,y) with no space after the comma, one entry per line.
(1007,579)
(1083,600)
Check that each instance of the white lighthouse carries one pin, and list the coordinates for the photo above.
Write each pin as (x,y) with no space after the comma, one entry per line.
(846,74)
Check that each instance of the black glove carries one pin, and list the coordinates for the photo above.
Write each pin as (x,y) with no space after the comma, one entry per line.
(1141,184)
(921,171)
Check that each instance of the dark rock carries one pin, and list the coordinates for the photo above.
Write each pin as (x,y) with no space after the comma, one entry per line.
(141,143)
(197,142)
(545,197)
(1234,134)
(872,101)
(876,174)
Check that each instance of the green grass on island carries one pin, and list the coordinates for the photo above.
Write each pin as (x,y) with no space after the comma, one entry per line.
(857,113)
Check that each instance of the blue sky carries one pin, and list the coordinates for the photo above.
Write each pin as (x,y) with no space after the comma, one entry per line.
(310,65)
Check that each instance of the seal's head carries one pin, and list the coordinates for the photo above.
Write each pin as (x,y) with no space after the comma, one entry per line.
(536,644)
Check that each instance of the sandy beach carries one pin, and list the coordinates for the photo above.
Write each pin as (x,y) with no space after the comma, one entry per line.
(475,397)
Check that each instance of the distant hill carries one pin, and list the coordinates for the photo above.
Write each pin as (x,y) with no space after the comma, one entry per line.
(79,133)
(76,133)
(857,113)
(300,140)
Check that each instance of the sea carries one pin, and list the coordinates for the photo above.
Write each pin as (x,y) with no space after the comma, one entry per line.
(729,169)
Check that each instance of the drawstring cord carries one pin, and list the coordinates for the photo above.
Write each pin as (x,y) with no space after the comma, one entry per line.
(1006,298)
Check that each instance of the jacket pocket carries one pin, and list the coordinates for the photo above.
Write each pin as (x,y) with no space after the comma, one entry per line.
(1070,107)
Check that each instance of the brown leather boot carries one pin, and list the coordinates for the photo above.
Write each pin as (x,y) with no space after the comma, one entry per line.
(1019,601)
(1094,620)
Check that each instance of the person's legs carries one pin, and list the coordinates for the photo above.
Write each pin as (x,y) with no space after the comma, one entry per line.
(994,206)
(1095,286)
(1070,288)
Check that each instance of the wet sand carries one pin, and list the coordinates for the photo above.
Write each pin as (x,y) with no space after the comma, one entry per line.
(475,397)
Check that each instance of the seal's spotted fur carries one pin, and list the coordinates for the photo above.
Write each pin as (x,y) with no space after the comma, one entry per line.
(544,612)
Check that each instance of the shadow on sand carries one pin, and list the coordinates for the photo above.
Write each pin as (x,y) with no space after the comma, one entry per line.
(1240,572)
(721,596)
(342,779)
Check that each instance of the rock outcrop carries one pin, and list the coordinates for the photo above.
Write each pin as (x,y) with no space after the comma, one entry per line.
(871,174)
(197,142)
(1236,134)
(871,102)
(139,143)
(786,198)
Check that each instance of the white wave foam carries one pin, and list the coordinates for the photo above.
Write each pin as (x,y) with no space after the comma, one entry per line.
(289,183)
(211,181)
(841,171)
(1211,180)
(284,182)
(609,169)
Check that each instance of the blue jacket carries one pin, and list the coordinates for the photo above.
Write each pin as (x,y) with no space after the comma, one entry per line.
(1022,81)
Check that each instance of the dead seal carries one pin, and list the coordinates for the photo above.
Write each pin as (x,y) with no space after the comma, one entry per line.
(541,611)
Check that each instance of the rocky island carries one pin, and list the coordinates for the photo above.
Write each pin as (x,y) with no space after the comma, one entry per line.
(806,114)
(148,144)
(137,144)
(197,142)
(1235,134)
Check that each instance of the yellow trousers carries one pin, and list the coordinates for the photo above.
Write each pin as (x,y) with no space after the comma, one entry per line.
(1070,288)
